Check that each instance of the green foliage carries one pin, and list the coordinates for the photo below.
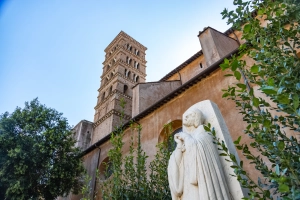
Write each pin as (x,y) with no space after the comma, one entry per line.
(37,155)
(159,184)
(272,41)
(129,178)
(86,187)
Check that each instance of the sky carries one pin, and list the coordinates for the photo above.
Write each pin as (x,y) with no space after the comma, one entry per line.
(54,49)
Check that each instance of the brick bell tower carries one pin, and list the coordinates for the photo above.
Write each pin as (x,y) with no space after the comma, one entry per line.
(124,66)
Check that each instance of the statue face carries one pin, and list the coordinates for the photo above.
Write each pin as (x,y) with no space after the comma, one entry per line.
(189,119)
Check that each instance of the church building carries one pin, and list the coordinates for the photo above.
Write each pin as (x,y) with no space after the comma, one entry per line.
(154,104)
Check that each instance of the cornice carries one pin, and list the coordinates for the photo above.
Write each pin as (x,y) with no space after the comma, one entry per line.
(110,95)
(107,115)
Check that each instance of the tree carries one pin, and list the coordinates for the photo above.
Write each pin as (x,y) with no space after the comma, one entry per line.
(271,30)
(38,158)
(129,178)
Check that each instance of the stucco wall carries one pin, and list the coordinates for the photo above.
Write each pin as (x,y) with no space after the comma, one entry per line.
(83,133)
(147,94)
(208,88)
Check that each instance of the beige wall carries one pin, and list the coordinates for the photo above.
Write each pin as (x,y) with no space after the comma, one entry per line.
(147,94)
(208,88)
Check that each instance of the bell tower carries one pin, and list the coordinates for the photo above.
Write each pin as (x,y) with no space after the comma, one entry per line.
(124,67)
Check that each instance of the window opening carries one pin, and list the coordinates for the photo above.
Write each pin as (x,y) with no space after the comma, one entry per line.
(125,89)
(105,169)
(103,96)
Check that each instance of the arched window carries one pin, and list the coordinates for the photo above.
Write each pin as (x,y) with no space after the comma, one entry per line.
(107,67)
(201,66)
(137,65)
(110,90)
(111,75)
(105,169)
(171,142)
(168,131)
(103,96)
(135,78)
(128,60)
(106,80)
(127,73)
(125,89)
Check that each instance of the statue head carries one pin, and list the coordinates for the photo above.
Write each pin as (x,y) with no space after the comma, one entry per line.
(193,117)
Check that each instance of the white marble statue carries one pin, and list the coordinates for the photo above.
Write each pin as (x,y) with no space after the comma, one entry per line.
(195,170)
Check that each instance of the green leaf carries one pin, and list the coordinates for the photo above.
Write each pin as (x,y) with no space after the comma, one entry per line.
(224,66)
(251,92)
(206,128)
(270,81)
(234,65)
(238,140)
(269,90)
(237,75)
(283,188)
(226,61)
(260,12)
(295,101)
(247,28)
(255,101)
(281,145)
(226,94)
(241,85)
(254,69)
(284,99)
(267,123)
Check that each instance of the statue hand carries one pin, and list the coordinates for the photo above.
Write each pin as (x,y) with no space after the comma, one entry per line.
(180,142)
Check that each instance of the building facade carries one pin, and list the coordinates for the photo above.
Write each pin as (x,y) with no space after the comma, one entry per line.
(154,104)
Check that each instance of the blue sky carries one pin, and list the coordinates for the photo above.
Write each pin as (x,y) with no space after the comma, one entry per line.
(54,49)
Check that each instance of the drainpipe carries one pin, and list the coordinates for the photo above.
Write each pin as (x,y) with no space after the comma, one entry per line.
(95,183)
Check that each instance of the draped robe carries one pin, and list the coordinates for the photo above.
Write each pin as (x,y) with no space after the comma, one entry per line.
(198,175)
